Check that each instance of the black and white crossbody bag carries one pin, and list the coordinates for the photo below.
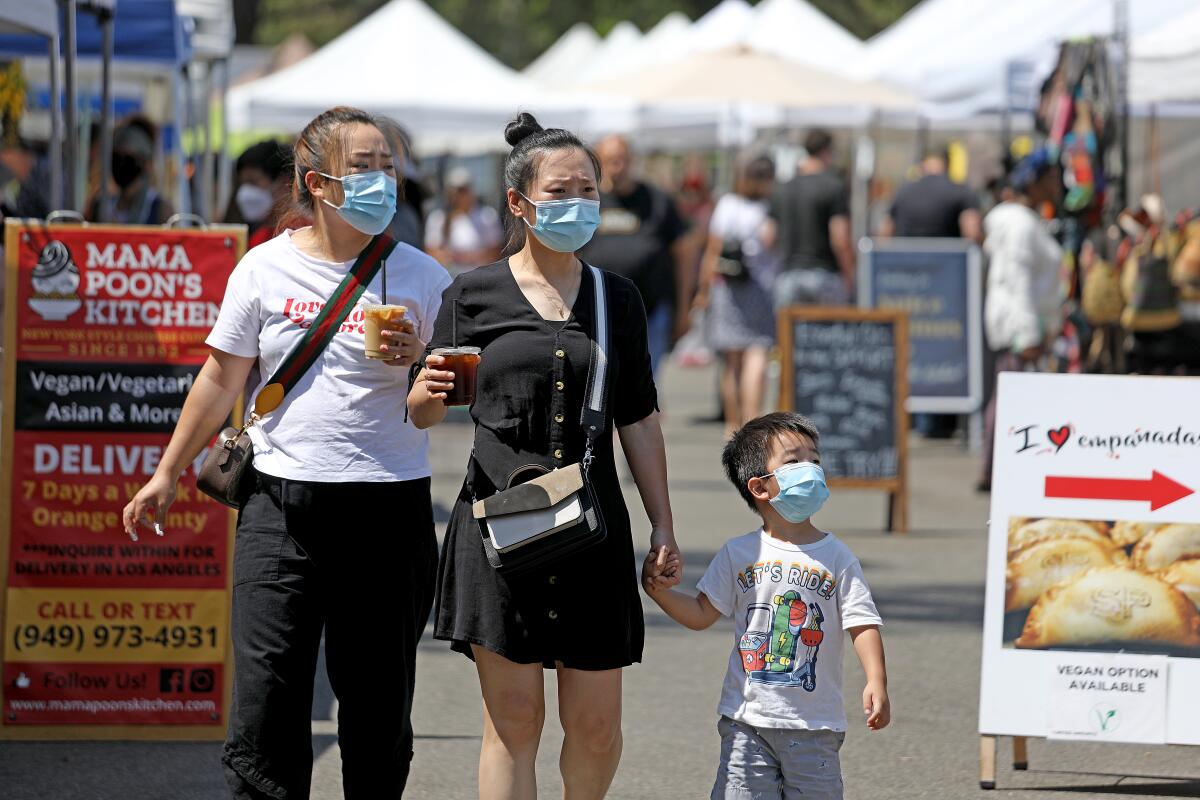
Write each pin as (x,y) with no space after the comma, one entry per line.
(537,521)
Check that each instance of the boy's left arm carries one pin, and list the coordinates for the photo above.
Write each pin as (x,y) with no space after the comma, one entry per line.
(868,643)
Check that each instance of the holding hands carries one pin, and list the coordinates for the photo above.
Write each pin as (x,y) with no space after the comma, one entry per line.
(663,566)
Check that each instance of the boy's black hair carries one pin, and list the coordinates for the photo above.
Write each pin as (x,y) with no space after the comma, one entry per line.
(745,455)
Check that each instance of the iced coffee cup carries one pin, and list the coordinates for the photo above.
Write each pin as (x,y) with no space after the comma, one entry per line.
(379,318)
(464,363)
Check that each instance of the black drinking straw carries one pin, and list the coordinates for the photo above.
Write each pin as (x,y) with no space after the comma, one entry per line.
(454,325)
(383,280)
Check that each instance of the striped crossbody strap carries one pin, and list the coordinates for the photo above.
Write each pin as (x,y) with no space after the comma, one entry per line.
(326,325)
(595,401)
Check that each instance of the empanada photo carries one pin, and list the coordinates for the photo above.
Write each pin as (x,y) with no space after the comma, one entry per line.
(1127,533)
(1015,523)
(1163,547)
(1038,567)
(1184,576)
(1044,529)
(1112,604)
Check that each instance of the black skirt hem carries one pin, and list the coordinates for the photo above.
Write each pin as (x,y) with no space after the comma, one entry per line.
(461,643)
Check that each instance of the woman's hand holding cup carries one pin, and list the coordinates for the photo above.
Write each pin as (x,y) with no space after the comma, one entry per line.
(401,344)
(438,383)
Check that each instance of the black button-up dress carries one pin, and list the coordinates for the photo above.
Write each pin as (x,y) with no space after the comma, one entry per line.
(584,611)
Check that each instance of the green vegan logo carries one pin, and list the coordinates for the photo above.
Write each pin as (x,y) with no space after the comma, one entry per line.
(1105,718)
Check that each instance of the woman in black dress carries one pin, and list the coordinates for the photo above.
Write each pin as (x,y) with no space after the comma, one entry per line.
(532,315)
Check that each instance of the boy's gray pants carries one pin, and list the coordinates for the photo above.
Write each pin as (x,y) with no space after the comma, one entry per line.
(761,763)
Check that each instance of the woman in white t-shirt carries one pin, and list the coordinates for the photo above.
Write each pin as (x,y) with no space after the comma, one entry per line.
(463,234)
(736,279)
(337,537)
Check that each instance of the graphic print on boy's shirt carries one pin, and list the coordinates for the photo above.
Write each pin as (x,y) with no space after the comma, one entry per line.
(788,603)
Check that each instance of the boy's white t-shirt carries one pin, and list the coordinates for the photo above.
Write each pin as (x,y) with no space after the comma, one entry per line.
(344,419)
(790,604)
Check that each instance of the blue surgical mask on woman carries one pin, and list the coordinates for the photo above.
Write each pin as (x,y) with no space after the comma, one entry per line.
(370,200)
(802,491)
(565,225)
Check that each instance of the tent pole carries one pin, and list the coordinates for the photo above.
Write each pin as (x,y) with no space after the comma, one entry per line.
(55,153)
(1121,29)
(106,117)
(184,200)
(207,162)
(72,156)
(224,167)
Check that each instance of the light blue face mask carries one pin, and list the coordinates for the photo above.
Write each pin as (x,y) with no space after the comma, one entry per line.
(565,225)
(802,491)
(370,200)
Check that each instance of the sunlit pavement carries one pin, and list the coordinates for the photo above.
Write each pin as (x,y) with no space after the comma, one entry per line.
(929,587)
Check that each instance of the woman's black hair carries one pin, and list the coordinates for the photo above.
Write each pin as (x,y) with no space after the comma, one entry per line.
(530,143)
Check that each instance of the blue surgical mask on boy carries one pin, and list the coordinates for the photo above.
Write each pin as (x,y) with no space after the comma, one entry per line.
(802,491)
(370,200)
(565,225)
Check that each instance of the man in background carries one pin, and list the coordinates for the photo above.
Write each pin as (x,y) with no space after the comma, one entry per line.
(815,247)
(933,205)
(937,207)
(641,236)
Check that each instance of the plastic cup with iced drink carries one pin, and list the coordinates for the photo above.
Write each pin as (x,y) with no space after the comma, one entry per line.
(379,318)
(464,363)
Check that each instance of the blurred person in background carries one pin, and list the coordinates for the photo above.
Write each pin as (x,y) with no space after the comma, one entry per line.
(933,205)
(813,213)
(736,287)
(263,185)
(694,199)
(24,181)
(1022,309)
(135,201)
(463,234)
(937,207)
(408,225)
(641,237)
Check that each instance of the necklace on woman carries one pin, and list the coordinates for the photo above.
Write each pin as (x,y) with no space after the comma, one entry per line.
(556,299)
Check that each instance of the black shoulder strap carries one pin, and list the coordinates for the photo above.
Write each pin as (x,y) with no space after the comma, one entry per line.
(327,323)
(595,401)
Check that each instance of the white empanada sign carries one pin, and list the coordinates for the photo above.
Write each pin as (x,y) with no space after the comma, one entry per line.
(1094,560)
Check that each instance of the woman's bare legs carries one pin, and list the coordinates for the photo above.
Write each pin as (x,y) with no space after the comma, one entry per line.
(589,705)
(752,383)
(514,708)
(731,370)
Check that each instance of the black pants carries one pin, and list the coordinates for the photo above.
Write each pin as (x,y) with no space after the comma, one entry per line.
(356,561)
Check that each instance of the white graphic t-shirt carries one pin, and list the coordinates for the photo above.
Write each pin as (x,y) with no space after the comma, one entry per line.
(789,603)
(344,419)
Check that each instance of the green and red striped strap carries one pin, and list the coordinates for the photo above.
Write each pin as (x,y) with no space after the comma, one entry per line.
(326,325)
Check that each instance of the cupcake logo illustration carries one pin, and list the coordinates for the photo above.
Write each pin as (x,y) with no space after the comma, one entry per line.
(55,284)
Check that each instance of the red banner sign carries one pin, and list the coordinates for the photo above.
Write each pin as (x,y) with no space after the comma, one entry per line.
(104,336)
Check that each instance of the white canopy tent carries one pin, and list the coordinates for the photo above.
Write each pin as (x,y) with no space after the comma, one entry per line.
(736,91)
(615,48)
(964,57)
(1165,64)
(794,29)
(664,42)
(462,105)
(563,60)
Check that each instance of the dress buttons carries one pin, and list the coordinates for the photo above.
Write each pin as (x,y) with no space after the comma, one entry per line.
(560,353)
(553,614)
(558,454)
(553,579)
(559,418)
(560,385)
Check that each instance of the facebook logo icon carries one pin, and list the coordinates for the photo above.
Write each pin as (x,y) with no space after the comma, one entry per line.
(170,680)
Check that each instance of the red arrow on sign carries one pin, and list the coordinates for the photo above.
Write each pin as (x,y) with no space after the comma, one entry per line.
(1159,490)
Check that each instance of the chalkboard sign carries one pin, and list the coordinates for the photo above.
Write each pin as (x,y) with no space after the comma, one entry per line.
(937,283)
(846,369)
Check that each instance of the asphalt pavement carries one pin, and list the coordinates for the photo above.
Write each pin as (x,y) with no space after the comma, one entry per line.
(929,587)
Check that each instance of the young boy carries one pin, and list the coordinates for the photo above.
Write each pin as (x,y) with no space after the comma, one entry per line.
(791,590)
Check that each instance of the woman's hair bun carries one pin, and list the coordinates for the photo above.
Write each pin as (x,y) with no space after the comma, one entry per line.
(522,127)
